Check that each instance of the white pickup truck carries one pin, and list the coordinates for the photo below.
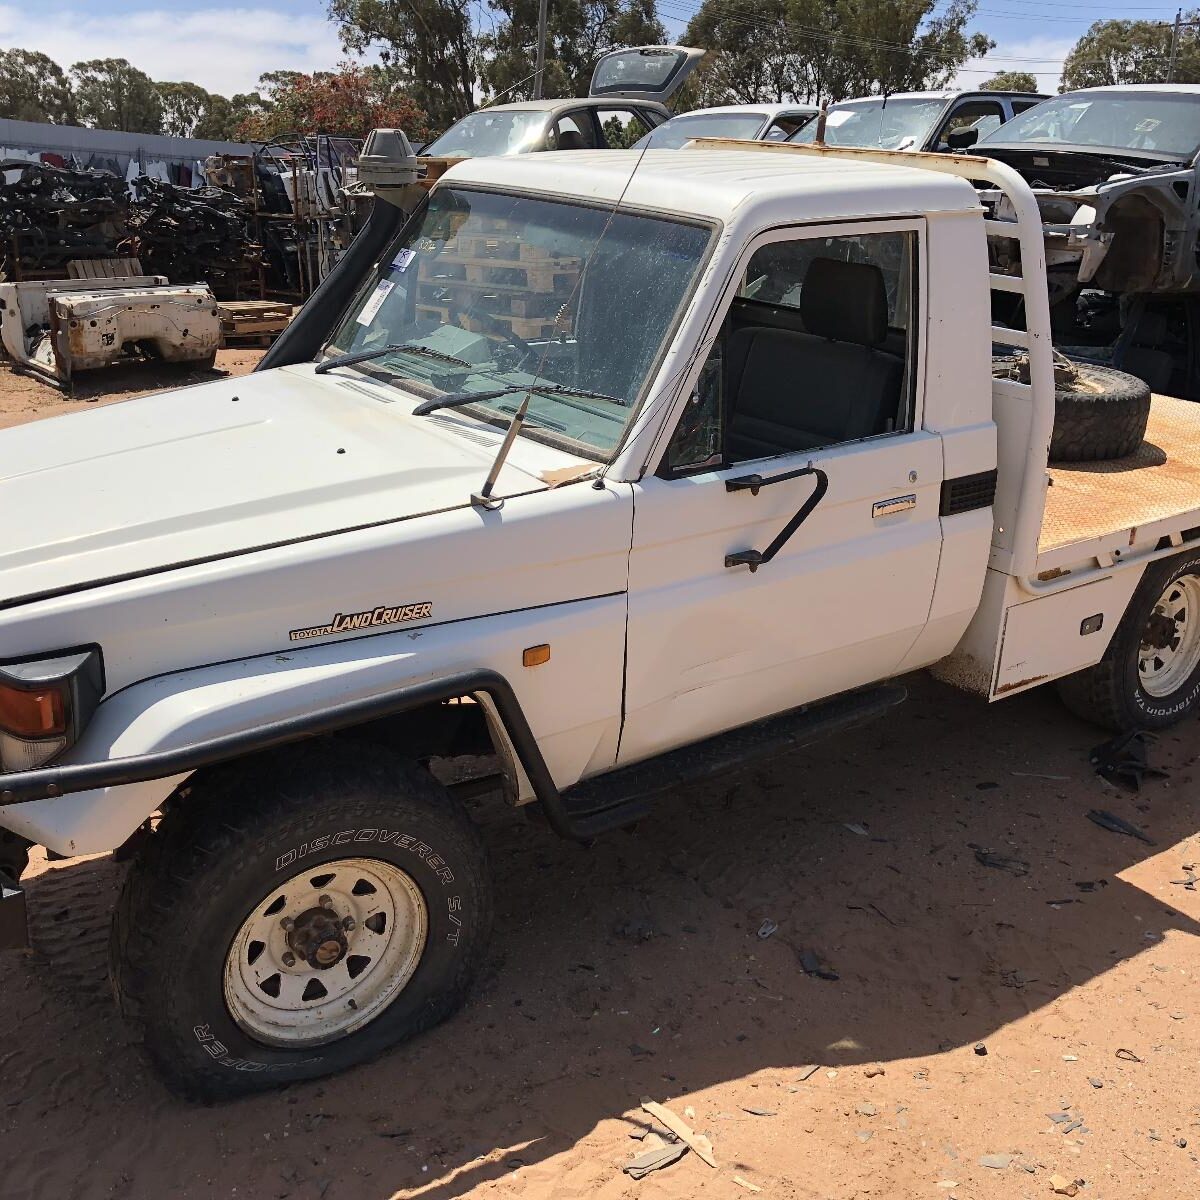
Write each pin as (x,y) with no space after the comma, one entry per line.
(619,467)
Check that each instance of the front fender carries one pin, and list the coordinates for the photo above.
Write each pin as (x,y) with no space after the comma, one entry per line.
(570,708)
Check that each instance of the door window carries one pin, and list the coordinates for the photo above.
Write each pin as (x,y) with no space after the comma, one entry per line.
(983,115)
(785,125)
(818,348)
(620,127)
(574,131)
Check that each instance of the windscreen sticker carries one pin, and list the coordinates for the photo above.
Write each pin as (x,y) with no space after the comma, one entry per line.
(401,261)
(373,305)
(345,622)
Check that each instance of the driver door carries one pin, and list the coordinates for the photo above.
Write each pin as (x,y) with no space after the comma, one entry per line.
(801,444)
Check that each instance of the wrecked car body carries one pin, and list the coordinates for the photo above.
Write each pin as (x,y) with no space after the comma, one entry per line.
(1114,174)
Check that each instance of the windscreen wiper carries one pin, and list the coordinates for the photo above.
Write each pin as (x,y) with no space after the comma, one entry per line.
(458,399)
(348,360)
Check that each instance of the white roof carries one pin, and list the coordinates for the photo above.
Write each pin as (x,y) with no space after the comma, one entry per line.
(1187,89)
(942,95)
(753,189)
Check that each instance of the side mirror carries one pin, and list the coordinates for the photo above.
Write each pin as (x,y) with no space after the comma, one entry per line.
(961,139)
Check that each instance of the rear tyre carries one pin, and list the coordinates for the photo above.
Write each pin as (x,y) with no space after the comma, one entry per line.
(1101,414)
(1149,677)
(297,915)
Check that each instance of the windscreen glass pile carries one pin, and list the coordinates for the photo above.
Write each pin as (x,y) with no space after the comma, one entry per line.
(489,291)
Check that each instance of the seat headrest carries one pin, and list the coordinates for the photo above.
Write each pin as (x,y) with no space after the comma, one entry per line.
(844,301)
(570,139)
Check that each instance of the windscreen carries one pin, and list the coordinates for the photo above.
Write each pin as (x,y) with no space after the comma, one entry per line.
(879,123)
(680,130)
(1152,121)
(485,291)
(488,134)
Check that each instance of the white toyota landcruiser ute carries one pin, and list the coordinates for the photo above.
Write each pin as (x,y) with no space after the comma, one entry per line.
(617,467)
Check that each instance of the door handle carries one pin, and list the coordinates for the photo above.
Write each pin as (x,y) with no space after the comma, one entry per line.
(897,504)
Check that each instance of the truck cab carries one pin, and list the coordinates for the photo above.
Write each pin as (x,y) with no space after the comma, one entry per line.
(619,468)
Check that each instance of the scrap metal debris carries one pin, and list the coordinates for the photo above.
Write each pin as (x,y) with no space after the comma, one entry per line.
(188,234)
(50,215)
(811,964)
(1002,862)
(1122,760)
(655,1158)
(694,1141)
(767,928)
(1188,884)
(1115,824)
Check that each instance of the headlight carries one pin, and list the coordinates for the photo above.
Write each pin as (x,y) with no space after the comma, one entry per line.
(45,705)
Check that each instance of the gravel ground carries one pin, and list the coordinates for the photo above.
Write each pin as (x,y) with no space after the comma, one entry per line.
(972,1006)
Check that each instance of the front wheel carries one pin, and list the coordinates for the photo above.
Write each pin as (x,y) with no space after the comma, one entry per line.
(298,916)
(1149,678)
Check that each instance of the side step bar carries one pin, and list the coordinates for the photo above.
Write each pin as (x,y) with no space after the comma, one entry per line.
(623,796)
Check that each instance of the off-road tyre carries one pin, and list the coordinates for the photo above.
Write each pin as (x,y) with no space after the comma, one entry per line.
(1111,693)
(1102,416)
(222,849)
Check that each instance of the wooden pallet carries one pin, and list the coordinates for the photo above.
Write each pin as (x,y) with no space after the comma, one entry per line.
(252,321)
(103,268)
(498,301)
(557,277)
(507,248)
(523,327)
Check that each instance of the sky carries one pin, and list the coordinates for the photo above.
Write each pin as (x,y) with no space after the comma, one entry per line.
(224,45)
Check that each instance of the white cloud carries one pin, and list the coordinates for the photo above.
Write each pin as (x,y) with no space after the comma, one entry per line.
(1041,55)
(222,49)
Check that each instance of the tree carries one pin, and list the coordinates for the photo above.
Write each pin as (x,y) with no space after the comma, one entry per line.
(1132,52)
(110,93)
(1011,81)
(429,45)
(350,101)
(820,50)
(34,88)
(190,111)
(578,32)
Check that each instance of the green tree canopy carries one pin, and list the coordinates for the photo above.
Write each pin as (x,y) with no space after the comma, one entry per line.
(578,32)
(828,49)
(429,46)
(1132,52)
(1011,81)
(34,88)
(111,93)
(188,110)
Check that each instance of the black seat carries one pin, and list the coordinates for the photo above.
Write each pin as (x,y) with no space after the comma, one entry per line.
(571,139)
(797,391)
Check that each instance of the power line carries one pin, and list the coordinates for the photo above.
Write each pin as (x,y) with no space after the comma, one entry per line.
(737,16)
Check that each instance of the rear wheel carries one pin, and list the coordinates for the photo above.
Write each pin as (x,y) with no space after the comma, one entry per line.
(1150,676)
(298,916)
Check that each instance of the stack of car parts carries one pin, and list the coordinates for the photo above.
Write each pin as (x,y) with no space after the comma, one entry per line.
(192,234)
(50,215)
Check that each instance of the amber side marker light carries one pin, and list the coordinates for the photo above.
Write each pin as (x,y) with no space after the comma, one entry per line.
(45,705)
(534,656)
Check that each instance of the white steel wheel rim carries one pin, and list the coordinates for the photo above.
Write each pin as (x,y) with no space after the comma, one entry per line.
(385,925)
(1162,670)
